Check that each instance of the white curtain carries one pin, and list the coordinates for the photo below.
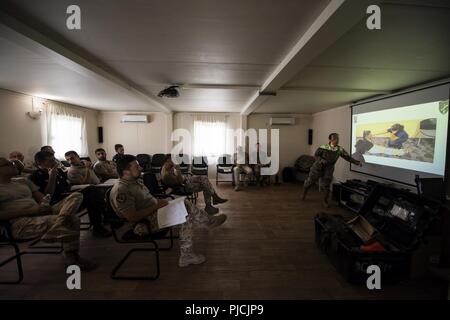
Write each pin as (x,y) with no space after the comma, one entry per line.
(210,135)
(65,129)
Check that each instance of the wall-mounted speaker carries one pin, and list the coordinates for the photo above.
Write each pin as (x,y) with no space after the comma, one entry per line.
(310,136)
(100,134)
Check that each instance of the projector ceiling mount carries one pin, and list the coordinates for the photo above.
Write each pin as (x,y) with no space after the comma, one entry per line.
(169,92)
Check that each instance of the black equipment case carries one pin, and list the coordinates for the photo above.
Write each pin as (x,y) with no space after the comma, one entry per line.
(401,219)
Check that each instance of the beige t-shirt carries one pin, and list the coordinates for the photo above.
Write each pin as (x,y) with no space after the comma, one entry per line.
(17,195)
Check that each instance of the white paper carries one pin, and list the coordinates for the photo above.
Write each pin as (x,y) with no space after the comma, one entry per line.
(173,214)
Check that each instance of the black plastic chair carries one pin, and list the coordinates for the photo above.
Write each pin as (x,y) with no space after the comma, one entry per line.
(7,239)
(152,184)
(200,166)
(129,237)
(224,166)
(158,160)
(145,161)
(183,161)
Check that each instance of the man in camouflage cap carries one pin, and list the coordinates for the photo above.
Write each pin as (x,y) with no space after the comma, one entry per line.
(326,157)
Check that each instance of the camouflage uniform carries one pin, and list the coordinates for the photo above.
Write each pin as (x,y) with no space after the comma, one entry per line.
(106,170)
(134,194)
(326,156)
(191,183)
(63,225)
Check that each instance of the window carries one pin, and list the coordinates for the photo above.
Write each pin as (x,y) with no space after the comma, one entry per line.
(66,130)
(66,135)
(209,136)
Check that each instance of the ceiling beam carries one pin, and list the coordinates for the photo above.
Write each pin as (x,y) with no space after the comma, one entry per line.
(335,20)
(329,89)
(220,86)
(22,34)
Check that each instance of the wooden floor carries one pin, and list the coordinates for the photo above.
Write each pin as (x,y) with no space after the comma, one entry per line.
(265,250)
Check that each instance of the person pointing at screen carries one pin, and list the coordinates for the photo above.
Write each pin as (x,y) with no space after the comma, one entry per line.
(326,156)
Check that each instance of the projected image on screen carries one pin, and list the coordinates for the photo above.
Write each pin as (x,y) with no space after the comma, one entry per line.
(406,137)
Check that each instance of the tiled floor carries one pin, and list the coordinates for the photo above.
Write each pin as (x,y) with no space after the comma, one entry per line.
(265,250)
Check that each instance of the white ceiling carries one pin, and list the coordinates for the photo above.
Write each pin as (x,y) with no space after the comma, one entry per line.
(412,47)
(152,44)
(22,70)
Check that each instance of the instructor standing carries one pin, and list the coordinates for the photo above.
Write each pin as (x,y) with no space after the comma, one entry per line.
(326,157)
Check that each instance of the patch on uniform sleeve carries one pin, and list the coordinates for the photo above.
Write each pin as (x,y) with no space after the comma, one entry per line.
(121,197)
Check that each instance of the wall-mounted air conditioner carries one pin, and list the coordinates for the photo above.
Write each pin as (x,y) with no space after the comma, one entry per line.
(282,121)
(135,118)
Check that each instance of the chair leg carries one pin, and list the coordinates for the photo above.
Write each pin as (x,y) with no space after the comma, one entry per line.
(34,245)
(17,257)
(125,258)
(171,237)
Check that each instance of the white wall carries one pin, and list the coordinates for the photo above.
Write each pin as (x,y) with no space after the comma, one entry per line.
(136,138)
(293,138)
(18,132)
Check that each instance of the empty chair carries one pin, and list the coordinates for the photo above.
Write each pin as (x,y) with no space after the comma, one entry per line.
(158,160)
(224,166)
(183,161)
(200,166)
(145,161)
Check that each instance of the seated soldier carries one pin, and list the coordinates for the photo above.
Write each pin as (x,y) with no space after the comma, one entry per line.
(120,151)
(241,162)
(53,181)
(80,172)
(19,161)
(171,176)
(132,201)
(104,169)
(32,217)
